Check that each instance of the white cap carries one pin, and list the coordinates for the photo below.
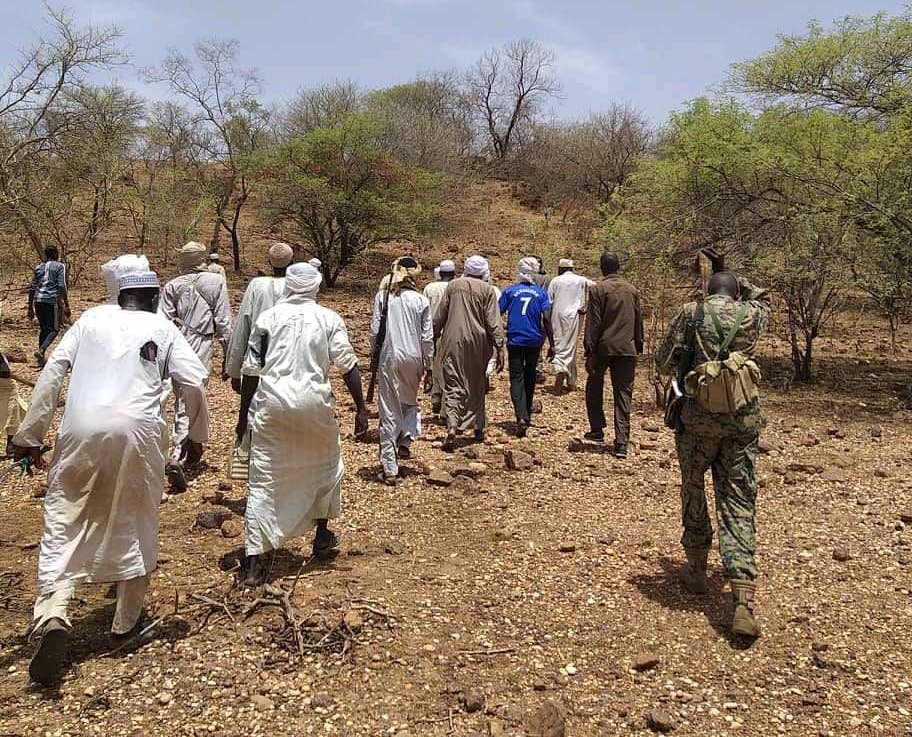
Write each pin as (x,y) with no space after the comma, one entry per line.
(447,266)
(139,280)
(214,256)
(565,263)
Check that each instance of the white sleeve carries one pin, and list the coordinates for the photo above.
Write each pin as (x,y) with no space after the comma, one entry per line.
(427,335)
(186,370)
(341,352)
(46,394)
(240,337)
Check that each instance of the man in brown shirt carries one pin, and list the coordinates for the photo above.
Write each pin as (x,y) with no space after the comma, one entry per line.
(613,340)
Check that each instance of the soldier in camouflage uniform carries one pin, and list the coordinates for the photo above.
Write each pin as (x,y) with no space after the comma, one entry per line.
(725,443)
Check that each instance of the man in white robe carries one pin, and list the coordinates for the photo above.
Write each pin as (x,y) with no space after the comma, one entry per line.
(197,302)
(405,357)
(215,265)
(262,293)
(568,293)
(434,293)
(295,460)
(105,479)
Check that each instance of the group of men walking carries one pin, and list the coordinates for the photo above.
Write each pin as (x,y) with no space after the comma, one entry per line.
(125,357)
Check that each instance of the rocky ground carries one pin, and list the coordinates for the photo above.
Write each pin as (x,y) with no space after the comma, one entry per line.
(475,599)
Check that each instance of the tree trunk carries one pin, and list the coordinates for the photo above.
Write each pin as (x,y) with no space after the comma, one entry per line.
(802,359)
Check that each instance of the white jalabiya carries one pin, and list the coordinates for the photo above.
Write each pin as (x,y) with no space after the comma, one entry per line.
(105,481)
(406,354)
(492,361)
(295,462)
(434,293)
(262,293)
(568,293)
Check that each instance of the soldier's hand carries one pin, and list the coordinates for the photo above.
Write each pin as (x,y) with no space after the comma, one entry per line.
(716,259)
(362,422)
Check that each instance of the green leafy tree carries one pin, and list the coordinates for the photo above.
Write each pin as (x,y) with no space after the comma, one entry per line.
(340,192)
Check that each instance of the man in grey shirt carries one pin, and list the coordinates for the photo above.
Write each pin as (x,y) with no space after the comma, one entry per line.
(47,297)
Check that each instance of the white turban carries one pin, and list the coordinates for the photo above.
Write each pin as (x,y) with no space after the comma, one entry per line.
(280,255)
(565,263)
(476,266)
(118,267)
(528,269)
(316,263)
(447,266)
(302,280)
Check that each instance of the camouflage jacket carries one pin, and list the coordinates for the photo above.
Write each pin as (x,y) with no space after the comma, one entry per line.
(753,326)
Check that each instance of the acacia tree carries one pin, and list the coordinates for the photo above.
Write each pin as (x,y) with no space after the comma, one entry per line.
(320,107)
(338,192)
(507,88)
(37,114)
(223,100)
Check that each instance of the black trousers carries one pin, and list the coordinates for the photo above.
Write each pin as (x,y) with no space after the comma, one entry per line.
(48,325)
(523,361)
(623,371)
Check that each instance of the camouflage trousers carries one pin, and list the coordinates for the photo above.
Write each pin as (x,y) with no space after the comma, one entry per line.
(727,445)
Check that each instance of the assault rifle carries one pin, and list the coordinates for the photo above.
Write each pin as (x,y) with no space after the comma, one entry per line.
(379,340)
(674,403)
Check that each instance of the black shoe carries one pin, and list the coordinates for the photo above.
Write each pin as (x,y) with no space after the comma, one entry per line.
(404,452)
(47,662)
(175,475)
(140,634)
(449,445)
(521,430)
(39,357)
(479,436)
(256,570)
(595,436)
(619,451)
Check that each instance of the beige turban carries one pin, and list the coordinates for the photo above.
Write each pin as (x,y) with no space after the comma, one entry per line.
(280,255)
(191,257)
(565,263)
(476,266)
(404,271)
(528,269)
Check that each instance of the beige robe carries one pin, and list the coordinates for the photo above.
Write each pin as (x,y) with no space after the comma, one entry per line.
(469,329)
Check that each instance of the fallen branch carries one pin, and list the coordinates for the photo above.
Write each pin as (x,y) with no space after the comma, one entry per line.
(494,651)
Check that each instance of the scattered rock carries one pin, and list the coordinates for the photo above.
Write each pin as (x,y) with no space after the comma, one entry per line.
(906,517)
(501,534)
(164,698)
(876,432)
(15,355)
(439,477)
(835,475)
(567,548)
(562,473)
(355,550)
(536,406)
(648,445)
(211,520)
(518,460)
(576,444)
(225,486)
(651,427)
(262,703)
(40,491)
(539,685)
(841,555)
(645,661)
(496,728)
(882,473)
(231,528)
(392,548)
(810,441)
(660,721)
(764,447)
(473,700)
(548,720)
(471,453)
(322,700)
(353,620)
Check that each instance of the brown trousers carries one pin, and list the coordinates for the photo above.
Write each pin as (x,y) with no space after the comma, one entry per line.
(623,371)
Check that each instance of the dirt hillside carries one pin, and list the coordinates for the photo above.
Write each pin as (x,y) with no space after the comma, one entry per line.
(497,602)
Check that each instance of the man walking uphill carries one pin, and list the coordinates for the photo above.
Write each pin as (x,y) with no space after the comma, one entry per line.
(613,340)
(568,293)
(405,357)
(469,329)
(719,429)
(47,297)
(528,322)
(105,481)
(197,302)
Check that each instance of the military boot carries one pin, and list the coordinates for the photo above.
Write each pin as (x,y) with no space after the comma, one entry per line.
(694,574)
(743,622)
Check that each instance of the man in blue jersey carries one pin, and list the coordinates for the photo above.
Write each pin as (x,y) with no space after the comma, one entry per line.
(528,313)
(47,298)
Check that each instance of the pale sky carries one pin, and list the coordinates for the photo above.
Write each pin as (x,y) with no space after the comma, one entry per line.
(653,54)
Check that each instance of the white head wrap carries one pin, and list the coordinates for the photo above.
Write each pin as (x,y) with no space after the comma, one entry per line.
(447,266)
(214,256)
(302,280)
(280,255)
(528,269)
(118,267)
(316,263)
(139,280)
(565,263)
(437,273)
(476,266)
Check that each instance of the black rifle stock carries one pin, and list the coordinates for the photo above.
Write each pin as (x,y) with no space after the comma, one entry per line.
(378,341)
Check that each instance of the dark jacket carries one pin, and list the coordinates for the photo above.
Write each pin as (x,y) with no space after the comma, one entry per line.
(614,321)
